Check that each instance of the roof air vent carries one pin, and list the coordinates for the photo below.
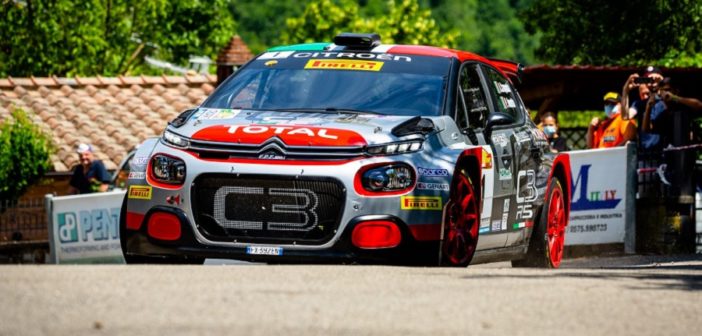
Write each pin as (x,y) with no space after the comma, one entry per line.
(355,41)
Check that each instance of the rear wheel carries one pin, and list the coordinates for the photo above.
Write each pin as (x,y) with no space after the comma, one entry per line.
(548,237)
(460,223)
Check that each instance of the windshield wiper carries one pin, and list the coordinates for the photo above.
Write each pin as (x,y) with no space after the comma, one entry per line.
(324,110)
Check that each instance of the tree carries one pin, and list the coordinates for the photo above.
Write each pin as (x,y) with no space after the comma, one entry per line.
(261,21)
(489,28)
(95,37)
(612,32)
(404,22)
(24,155)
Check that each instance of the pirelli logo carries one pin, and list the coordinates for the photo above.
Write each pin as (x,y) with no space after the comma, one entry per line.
(140,192)
(340,64)
(421,202)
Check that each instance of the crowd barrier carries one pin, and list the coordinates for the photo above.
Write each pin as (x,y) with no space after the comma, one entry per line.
(84,229)
(603,202)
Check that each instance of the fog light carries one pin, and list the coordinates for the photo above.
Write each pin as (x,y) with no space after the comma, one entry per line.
(376,235)
(163,226)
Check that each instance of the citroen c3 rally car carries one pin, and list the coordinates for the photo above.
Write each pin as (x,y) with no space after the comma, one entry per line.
(352,151)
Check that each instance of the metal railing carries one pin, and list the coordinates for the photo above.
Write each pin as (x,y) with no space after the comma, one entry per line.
(23,220)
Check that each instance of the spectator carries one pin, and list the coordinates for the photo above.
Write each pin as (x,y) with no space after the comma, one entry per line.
(89,175)
(614,130)
(654,136)
(669,96)
(549,125)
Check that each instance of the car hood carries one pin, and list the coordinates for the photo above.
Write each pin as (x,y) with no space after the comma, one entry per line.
(293,128)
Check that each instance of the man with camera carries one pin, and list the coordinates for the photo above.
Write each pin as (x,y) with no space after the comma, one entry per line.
(650,110)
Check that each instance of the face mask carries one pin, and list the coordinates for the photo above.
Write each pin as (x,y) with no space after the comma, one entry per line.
(611,110)
(550,130)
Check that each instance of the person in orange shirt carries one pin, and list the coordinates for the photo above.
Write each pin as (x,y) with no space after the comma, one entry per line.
(612,131)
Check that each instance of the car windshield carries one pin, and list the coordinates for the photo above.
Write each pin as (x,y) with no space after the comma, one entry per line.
(375,83)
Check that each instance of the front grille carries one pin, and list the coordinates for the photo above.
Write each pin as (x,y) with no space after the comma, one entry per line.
(274,147)
(267,209)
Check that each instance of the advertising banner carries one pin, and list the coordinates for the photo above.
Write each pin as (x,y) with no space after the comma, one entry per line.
(84,229)
(600,195)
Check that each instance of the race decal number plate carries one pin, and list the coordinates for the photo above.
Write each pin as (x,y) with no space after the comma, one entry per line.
(264,250)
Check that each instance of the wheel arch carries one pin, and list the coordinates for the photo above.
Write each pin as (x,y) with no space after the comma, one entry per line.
(471,159)
(561,171)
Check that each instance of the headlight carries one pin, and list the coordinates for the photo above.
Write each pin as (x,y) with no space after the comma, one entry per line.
(167,169)
(387,178)
(175,139)
(395,148)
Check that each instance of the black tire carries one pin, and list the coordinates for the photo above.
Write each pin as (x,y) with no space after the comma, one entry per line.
(137,259)
(539,250)
(462,219)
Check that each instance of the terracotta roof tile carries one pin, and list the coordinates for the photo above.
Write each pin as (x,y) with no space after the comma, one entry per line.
(112,113)
(235,53)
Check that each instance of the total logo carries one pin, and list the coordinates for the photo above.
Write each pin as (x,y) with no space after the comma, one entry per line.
(293,135)
(288,130)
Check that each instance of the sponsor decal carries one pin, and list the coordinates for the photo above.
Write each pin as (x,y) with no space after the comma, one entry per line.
(293,135)
(485,222)
(503,224)
(522,136)
(136,175)
(505,206)
(487,159)
(216,114)
(505,214)
(502,88)
(505,174)
(173,199)
(500,140)
(591,199)
(381,57)
(275,55)
(344,65)
(516,226)
(432,172)
(139,160)
(139,192)
(496,225)
(432,186)
(420,202)
(95,225)
(484,229)
(271,155)
(526,193)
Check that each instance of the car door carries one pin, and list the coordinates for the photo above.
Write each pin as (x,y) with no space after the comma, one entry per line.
(472,109)
(516,182)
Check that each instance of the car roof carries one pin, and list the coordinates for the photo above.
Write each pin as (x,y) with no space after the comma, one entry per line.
(507,68)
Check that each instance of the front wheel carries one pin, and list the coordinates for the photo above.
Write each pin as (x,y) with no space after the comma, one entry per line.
(460,223)
(548,238)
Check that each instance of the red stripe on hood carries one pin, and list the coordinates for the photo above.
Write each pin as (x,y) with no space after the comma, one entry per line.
(292,135)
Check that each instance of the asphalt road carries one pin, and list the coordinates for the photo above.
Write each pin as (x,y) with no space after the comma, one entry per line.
(612,296)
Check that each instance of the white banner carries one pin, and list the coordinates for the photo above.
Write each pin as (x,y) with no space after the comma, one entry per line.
(599,193)
(84,229)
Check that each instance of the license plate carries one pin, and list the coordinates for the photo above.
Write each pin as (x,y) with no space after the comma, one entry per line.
(264,250)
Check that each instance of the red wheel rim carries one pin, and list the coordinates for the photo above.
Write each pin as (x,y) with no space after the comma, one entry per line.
(461,223)
(556,226)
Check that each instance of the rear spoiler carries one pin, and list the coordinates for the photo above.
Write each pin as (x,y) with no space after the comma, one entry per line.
(512,69)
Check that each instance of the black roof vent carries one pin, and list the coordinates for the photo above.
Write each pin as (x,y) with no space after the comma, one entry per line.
(357,41)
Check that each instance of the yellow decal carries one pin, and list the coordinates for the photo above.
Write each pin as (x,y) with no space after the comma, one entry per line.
(339,64)
(487,159)
(140,192)
(421,202)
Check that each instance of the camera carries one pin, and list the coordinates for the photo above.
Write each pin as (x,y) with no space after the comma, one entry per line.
(643,80)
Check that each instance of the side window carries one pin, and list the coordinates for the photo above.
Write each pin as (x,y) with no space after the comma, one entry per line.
(503,93)
(474,113)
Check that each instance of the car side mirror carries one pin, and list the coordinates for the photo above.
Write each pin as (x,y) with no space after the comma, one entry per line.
(496,119)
